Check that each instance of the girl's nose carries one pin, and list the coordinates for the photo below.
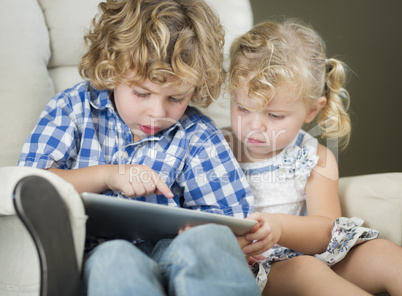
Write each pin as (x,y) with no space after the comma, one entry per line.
(258,123)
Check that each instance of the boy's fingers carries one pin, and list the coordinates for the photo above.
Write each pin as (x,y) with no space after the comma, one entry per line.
(149,188)
(128,190)
(163,188)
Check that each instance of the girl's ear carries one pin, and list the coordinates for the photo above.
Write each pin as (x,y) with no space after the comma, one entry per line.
(315,109)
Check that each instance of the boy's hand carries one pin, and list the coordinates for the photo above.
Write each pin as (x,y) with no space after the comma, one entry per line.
(267,235)
(136,180)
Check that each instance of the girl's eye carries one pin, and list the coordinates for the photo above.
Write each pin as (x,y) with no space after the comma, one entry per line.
(241,109)
(139,94)
(276,117)
(176,100)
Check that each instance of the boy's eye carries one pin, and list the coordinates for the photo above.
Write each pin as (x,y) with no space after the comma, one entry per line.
(176,100)
(139,94)
(276,117)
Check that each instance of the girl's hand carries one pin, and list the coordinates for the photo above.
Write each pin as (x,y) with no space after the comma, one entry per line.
(243,242)
(135,181)
(267,235)
(255,259)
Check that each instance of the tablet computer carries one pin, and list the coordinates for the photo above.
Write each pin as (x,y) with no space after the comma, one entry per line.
(112,217)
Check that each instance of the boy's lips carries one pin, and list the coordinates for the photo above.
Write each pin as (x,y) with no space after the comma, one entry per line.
(149,129)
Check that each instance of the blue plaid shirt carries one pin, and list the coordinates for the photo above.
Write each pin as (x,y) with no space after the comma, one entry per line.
(80,127)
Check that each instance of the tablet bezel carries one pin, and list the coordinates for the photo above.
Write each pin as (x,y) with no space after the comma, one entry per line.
(118,218)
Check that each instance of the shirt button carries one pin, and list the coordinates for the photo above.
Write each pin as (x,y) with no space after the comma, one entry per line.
(125,155)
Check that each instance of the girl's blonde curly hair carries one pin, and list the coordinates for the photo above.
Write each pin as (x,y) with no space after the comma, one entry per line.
(293,53)
(156,39)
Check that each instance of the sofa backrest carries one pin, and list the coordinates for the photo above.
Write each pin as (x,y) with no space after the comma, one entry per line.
(42,42)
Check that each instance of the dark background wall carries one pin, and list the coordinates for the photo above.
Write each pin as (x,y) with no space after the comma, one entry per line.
(366,35)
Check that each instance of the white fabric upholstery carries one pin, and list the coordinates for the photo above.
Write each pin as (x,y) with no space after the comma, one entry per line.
(25,84)
(19,272)
(377,199)
(67,22)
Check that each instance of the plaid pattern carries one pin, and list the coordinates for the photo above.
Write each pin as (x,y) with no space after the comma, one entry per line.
(80,127)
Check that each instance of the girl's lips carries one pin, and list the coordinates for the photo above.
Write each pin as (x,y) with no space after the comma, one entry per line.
(254,141)
(148,129)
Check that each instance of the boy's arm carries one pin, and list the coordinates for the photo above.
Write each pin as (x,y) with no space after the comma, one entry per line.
(129,179)
(213,180)
(90,179)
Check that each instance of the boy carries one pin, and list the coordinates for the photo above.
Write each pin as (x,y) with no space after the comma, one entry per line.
(129,131)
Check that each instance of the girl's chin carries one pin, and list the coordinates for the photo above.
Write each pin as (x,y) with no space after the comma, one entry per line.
(260,153)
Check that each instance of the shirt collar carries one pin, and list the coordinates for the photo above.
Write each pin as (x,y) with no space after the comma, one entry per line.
(100,99)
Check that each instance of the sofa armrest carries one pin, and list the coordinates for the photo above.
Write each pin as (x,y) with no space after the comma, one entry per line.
(377,199)
(20,267)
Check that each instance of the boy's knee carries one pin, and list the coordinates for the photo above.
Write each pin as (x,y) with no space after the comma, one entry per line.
(208,237)
(111,251)
(115,246)
(215,229)
(210,232)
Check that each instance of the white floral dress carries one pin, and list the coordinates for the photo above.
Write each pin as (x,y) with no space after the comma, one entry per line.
(278,185)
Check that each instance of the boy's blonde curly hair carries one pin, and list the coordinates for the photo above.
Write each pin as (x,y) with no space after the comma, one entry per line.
(291,52)
(156,39)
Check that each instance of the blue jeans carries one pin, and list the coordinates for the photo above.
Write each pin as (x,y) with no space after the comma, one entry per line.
(204,260)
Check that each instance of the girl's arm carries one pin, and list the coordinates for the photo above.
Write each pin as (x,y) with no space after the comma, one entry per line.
(311,234)
(132,180)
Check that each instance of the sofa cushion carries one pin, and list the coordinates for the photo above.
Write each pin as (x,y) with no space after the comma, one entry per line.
(377,199)
(24,79)
(67,22)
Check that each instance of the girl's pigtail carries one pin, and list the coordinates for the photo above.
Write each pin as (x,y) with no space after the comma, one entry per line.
(334,120)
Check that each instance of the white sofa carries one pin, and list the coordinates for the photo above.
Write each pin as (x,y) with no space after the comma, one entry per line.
(41,43)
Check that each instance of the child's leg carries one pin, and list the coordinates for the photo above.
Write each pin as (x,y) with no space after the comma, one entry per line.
(119,268)
(306,275)
(375,266)
(207,260)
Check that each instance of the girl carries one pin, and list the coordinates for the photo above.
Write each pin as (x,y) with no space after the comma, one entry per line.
(281,80)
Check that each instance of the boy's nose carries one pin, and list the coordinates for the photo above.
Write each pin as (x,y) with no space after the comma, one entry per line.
(157,109)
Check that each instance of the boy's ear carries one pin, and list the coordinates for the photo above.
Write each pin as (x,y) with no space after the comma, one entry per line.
(315,109)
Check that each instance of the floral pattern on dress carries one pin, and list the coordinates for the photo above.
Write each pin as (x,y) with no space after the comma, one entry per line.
(298,162)
(346,233)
